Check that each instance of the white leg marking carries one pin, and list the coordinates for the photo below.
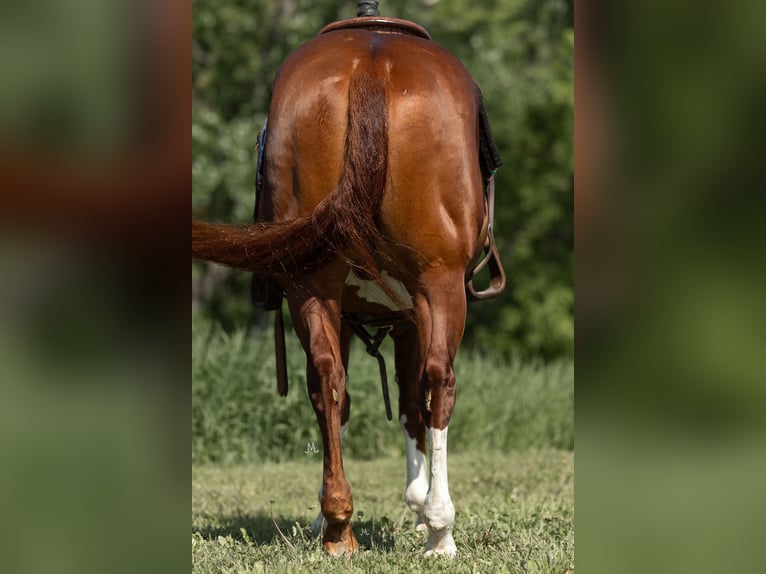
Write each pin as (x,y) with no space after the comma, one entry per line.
(417,479)
(439,510)
(319,525)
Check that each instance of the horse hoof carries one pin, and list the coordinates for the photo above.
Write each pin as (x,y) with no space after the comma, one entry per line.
(341,548)
(340,541)
(420,525)
(441,543)
(448,552)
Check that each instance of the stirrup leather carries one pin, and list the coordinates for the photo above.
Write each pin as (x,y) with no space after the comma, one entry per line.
(491,259)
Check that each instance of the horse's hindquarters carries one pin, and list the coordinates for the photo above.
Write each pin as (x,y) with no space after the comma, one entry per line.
(432,206)
(374,141)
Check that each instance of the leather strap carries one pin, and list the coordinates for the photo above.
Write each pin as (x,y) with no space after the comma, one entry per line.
(497,279)
(280,352)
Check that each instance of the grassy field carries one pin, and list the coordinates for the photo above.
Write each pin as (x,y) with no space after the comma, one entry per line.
(237,416)
(514,514)
(511,465)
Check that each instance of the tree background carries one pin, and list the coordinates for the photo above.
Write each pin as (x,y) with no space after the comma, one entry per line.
(520,52)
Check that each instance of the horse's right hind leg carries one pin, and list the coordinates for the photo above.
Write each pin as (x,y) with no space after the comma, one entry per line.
(440,323)
(425,354)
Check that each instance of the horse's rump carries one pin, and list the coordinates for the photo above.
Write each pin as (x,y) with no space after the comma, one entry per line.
(372,155)
(432,187)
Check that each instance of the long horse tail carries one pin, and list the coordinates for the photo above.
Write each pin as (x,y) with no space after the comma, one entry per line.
(343,224)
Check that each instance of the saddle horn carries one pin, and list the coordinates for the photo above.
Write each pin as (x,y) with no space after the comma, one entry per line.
(367,9)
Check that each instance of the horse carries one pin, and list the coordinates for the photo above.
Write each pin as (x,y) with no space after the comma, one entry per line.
(373,210)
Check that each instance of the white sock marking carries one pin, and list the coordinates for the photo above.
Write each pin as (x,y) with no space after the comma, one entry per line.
(439,510)
(417,478)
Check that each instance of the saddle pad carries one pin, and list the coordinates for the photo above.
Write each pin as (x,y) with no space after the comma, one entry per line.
(489,154)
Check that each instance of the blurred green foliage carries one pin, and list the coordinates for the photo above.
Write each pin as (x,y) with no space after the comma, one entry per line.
(238,417)
(521,54)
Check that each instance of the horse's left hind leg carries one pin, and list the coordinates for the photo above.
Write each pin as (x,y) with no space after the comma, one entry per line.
(317,323)
(319,524)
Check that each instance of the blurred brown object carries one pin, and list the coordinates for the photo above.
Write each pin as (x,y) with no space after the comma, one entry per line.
(128,183)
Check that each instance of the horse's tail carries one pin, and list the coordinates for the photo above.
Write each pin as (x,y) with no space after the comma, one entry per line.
(344,223)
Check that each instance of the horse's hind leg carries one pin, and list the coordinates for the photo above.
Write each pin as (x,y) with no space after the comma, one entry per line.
(441,323)
(317,323)
(319,524)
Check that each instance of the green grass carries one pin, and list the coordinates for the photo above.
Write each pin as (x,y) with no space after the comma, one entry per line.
(511,465)
(237,416)
(514,513)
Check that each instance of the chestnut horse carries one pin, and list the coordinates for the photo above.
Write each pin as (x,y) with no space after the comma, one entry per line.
(372,208)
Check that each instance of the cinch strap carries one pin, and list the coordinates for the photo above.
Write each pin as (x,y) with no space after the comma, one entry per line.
(372,344)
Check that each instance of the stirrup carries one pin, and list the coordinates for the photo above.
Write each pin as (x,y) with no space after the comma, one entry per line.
(491,258)
(496,275)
